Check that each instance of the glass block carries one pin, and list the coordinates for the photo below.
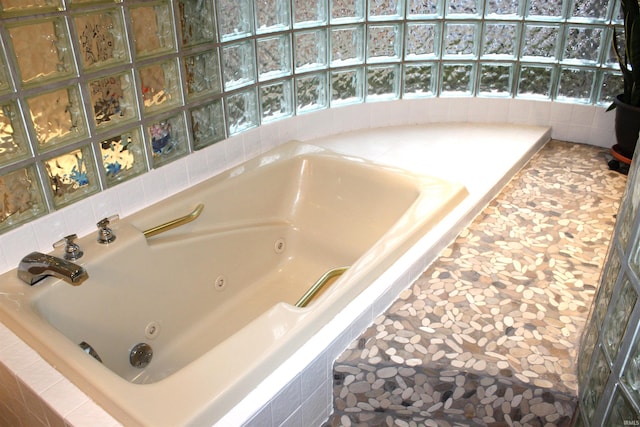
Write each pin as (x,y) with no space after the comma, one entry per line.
(502,8)
(347,45)
(611,60)
(42,50)
(207,122)
(274,57)
(23,7)
(272,15)
(5,79)
(460,39)
(14,145)
(386,9)
(622,412)
(590,10)
(583,44)
(276,101)
(346,87)
(575,84)
(631,373)
(464,7)
(307,13)
(546,9)
(311,49)
(21,198)
(101,40)
(420,80)
(540,42)
(347,10)
(160,84)
(235,18)
(616,322)
(597,381)
(500,40)
(72,176)
(457,79)
(535,81)
(424,9)
(197,22)
(311,92)
(496,79)
(588,345)
(605,291)
(383,82)
(57,117)
(122,157)
(239,68)
(83,2)
(242,111)
(152,29)
(423,41)
(167,139)
(385,43)
(202,74)
(113,100)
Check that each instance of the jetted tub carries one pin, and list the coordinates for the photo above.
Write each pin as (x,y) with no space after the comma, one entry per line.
(214,298)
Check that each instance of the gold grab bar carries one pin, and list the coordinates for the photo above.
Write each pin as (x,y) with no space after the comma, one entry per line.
(174,222)
(316,287)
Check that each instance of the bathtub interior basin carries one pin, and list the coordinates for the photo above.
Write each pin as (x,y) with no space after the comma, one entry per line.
(212,302)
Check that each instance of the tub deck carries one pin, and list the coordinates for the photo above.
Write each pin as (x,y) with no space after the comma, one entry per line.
(489,334)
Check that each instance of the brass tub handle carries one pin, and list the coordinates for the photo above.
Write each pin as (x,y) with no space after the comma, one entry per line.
(174,223)
(320,283)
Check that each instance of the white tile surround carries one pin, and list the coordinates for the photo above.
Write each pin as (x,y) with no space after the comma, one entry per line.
(299,392)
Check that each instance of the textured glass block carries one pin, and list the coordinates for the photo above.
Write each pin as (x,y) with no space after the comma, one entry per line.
(13,139)
(383,82)
(628,213)
(385,43)
(583,44)
(575,84)
(197,22)
(242,111)
(535,81)
(590,10)
(113,100)
(42,50)
(83,2)
(420,80)
(631,373)
(160,86)
(21,198)
(622,412)
(605,291)
(347,45)
(542,9)
(386,9)
(274,57)
(202,74)
(423,40)
(598,379)
(122,157)
(588,344)
(424,8)
(308,13)
(57,117)
(20,7)
(457,79)
(235,18)
(611,60)
(502,7)
(276,101)
(460,40)
(167,139)
(464,7)
(500,40)
(346,87)
(152,28)
(496,79)
(72,176)
(541,42)
(311,49)
(347,10)
(272,15)
(616,323)
(5,80)
(101,40)
(239,68)
(207,122)
(311,92)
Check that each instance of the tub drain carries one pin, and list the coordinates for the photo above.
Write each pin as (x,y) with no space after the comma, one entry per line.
(140,355)
(89,350)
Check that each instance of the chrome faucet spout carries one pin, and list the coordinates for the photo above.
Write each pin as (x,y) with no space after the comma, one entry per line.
(36,266)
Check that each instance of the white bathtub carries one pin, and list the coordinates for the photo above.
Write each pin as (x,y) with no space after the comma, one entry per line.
(214,298)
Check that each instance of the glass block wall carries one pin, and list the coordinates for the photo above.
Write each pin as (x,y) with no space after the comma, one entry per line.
(609,363)
(95,92)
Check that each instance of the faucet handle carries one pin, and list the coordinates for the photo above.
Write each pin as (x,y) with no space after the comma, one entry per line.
(71,249)
(105,233)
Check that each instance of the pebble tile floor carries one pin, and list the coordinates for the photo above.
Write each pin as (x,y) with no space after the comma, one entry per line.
(489,334)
